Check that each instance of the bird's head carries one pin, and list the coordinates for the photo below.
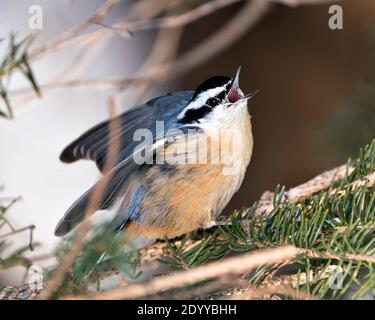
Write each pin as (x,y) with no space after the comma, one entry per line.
(215,100)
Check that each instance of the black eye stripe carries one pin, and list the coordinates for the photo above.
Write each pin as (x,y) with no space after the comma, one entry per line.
(221,96)
(193,115)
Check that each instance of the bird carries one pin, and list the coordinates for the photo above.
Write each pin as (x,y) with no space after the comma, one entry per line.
(158,199)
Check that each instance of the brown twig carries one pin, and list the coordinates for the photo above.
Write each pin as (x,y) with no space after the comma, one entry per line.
(249,15)
(94,201)
(114,84)
(269,291)
(143,9)
(172,21)
(229,266)
(30,228)
(348,256)
(64,39)
(237,26)
(42,257)
(163,52)
(321,182)
(68,38)
(315,185)
(5,209)
(16,231)
(296,3)
(193,15)
(265,204)
(53,285)
(221,286)
(72,36)
(224,271)
(234,29)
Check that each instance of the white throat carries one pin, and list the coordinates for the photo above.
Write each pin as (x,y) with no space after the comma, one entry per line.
(225,115)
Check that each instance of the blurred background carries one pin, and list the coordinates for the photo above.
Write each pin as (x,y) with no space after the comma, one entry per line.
(315,109)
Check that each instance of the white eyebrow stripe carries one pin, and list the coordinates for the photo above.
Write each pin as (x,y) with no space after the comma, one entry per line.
(201,100)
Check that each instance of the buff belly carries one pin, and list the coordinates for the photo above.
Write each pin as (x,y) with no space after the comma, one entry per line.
(187,198)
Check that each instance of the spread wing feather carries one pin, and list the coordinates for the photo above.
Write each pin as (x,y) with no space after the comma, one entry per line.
(118,182)
(94,143)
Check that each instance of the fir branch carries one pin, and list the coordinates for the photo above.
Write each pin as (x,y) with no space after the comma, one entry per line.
(328,232)
(265,205)
(15,257)
(16,58)
(237,265)
(334,226)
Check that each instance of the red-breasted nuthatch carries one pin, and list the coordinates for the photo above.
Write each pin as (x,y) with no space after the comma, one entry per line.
(170,198)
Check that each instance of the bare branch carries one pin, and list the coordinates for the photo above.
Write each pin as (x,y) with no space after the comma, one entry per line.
(296,3)
(348,256)
(319,183)
(16,231)
(94,201)
(115,84)
(233,30)
(269,291)
(229,266)
(222,39)
(226,36)
(73,33)
(172,21)
(265,204)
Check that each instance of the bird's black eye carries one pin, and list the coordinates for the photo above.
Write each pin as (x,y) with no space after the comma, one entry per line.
(212,102)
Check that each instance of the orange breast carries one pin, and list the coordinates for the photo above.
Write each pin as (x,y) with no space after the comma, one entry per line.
(182,202)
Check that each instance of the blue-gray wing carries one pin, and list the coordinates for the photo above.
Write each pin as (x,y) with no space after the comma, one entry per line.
(94,143)
(120,182)
(115,184)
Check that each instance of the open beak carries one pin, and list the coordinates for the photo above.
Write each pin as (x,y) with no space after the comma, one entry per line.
(236,79)
(235,92)
(250,95)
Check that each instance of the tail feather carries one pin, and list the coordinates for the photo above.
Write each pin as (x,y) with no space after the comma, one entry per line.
(116,181)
